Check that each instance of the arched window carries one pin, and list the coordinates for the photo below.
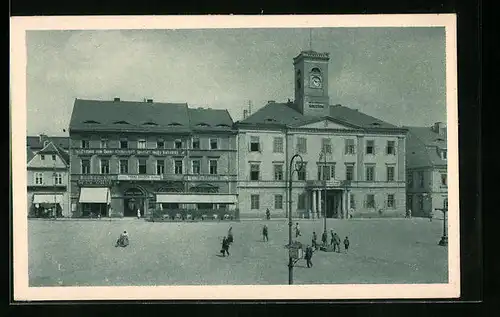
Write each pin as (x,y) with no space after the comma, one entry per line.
(315,70)
(91,122)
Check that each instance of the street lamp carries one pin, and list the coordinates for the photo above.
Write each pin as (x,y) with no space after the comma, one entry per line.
(323,177)
(444,239)
(298,166)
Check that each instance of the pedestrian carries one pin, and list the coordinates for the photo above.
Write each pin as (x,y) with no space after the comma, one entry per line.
(297,230)
(336,242)
(138,213)
(431,215)
(225,247)
(332,237)
(230,238)
(315,241)
(346,244)
(409,213)
(308,256)
(264,233)
(324,238)
(268,214)
(123,240)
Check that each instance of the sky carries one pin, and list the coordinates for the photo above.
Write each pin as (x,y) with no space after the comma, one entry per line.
(395,74)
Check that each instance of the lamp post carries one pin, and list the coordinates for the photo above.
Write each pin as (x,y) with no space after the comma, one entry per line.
(54,213)
(444,239)
(298,166)
(323,178)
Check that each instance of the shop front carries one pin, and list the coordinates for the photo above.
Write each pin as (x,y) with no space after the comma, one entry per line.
(94,201)
(47,205)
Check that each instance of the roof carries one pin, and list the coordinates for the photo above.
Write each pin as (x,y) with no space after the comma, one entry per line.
(129,116)
(29,154)
(52,148)
(423,147)
(36,142)
(284,114)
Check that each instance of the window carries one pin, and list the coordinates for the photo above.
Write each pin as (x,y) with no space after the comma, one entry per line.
(352,201)
(370,201)
(178,144)
(444,154)
(370,173)
(278,201)
(85,166)
(85,144)
(326,146)
(213,167)
(141,144)
(195,143)
(302,145)
(421,179)
(104,166)
(420,202)
(332,171)
(390,173)
(409,202)
(104,143)
(324,172)
(254,172)
(301,175)
(445,203)
(123,166)
(160,167)
(370,147)
(142,166)
(214,144)
(53,157)
(254,202)
(38,178)
(349,146)
(410,179)
(278,172)
(160,144)
(444,179)
(301,201)
(254,144)
(178,167)
(42,157)
(390,201)
(349,172)
(391,148)
(58,179)
(123,144)
(195,166)
(278,145)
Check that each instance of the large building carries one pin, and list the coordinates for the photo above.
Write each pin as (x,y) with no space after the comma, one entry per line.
(358,160)
(128,156)
(48,178)
(426,161)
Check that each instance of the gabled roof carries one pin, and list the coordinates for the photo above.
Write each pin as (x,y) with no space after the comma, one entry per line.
(36,142)
(424,146)
(29,154)
(52,148)
(285,115)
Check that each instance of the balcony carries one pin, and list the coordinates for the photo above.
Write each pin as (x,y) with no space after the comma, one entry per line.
(329,183)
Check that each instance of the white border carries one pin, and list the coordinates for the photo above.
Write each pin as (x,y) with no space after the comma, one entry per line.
(22,291)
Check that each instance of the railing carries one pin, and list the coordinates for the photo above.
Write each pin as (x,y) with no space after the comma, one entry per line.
(195,214)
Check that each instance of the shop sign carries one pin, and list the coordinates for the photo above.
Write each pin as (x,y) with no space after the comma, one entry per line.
(128,152)
(139,177)
(101,180)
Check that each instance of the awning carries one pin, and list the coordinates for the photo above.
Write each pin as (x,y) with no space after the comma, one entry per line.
(195,199)
(47,199)
(95,195)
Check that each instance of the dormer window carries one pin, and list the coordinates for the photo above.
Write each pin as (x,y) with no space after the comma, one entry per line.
(270,120)
(174,124)
(375,124)
(203,124)
(45,143)
(223,125)
(121,122)
(150,123)
(444,154)
(91,122)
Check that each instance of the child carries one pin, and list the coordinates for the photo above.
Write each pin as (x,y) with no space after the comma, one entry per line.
(264,233)
(346,244)
(122,240)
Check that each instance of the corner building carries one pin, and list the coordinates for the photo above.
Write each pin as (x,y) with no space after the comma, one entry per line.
(129,155)
(354,160)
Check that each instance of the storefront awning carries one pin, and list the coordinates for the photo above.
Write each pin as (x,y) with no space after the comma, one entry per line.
(196,199)
(47,199)
(95,195)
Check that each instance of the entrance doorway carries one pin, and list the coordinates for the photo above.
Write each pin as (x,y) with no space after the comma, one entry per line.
(333,203)
(134,200)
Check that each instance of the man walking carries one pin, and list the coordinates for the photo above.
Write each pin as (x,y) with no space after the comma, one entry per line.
(315,241)
(336,242)
(324,237)
(308,256)
(225,247)
(264,233)
(268,214)
(297,230)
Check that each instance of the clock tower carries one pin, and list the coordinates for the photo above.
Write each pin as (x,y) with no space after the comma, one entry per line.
(311,83)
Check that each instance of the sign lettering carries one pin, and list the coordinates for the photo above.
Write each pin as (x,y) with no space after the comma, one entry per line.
(139,177)
(103,180)
(128,152)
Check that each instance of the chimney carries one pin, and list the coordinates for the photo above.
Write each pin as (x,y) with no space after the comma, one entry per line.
(42,137)
(150,101)
(440,128)
(117,99)
(245,114)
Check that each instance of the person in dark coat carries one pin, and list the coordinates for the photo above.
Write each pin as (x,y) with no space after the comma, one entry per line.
(315,240)
(264,233)
(324,237)
(225,247)
(230,238)
(308,256)
(332,237)
(297,230)
(336,242)
(346,244)
(268,214)
(122,240)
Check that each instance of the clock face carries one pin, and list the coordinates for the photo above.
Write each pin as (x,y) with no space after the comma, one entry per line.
(316,81)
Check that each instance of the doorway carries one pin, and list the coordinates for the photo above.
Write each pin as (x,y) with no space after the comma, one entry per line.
(131,206)
(332,203)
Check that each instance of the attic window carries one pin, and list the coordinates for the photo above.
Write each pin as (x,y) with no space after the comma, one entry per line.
(270,120)
(91,121)
(121,122)
(174,124)
(150,123)
(375,123)
(223,125)
(439,140)
(203,124)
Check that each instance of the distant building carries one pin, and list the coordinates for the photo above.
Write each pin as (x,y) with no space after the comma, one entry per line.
(426,163)
(36,143)
(48,180)
(129,155)
(361,158)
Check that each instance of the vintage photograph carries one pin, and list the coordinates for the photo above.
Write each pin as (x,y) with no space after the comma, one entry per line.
(286,153)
